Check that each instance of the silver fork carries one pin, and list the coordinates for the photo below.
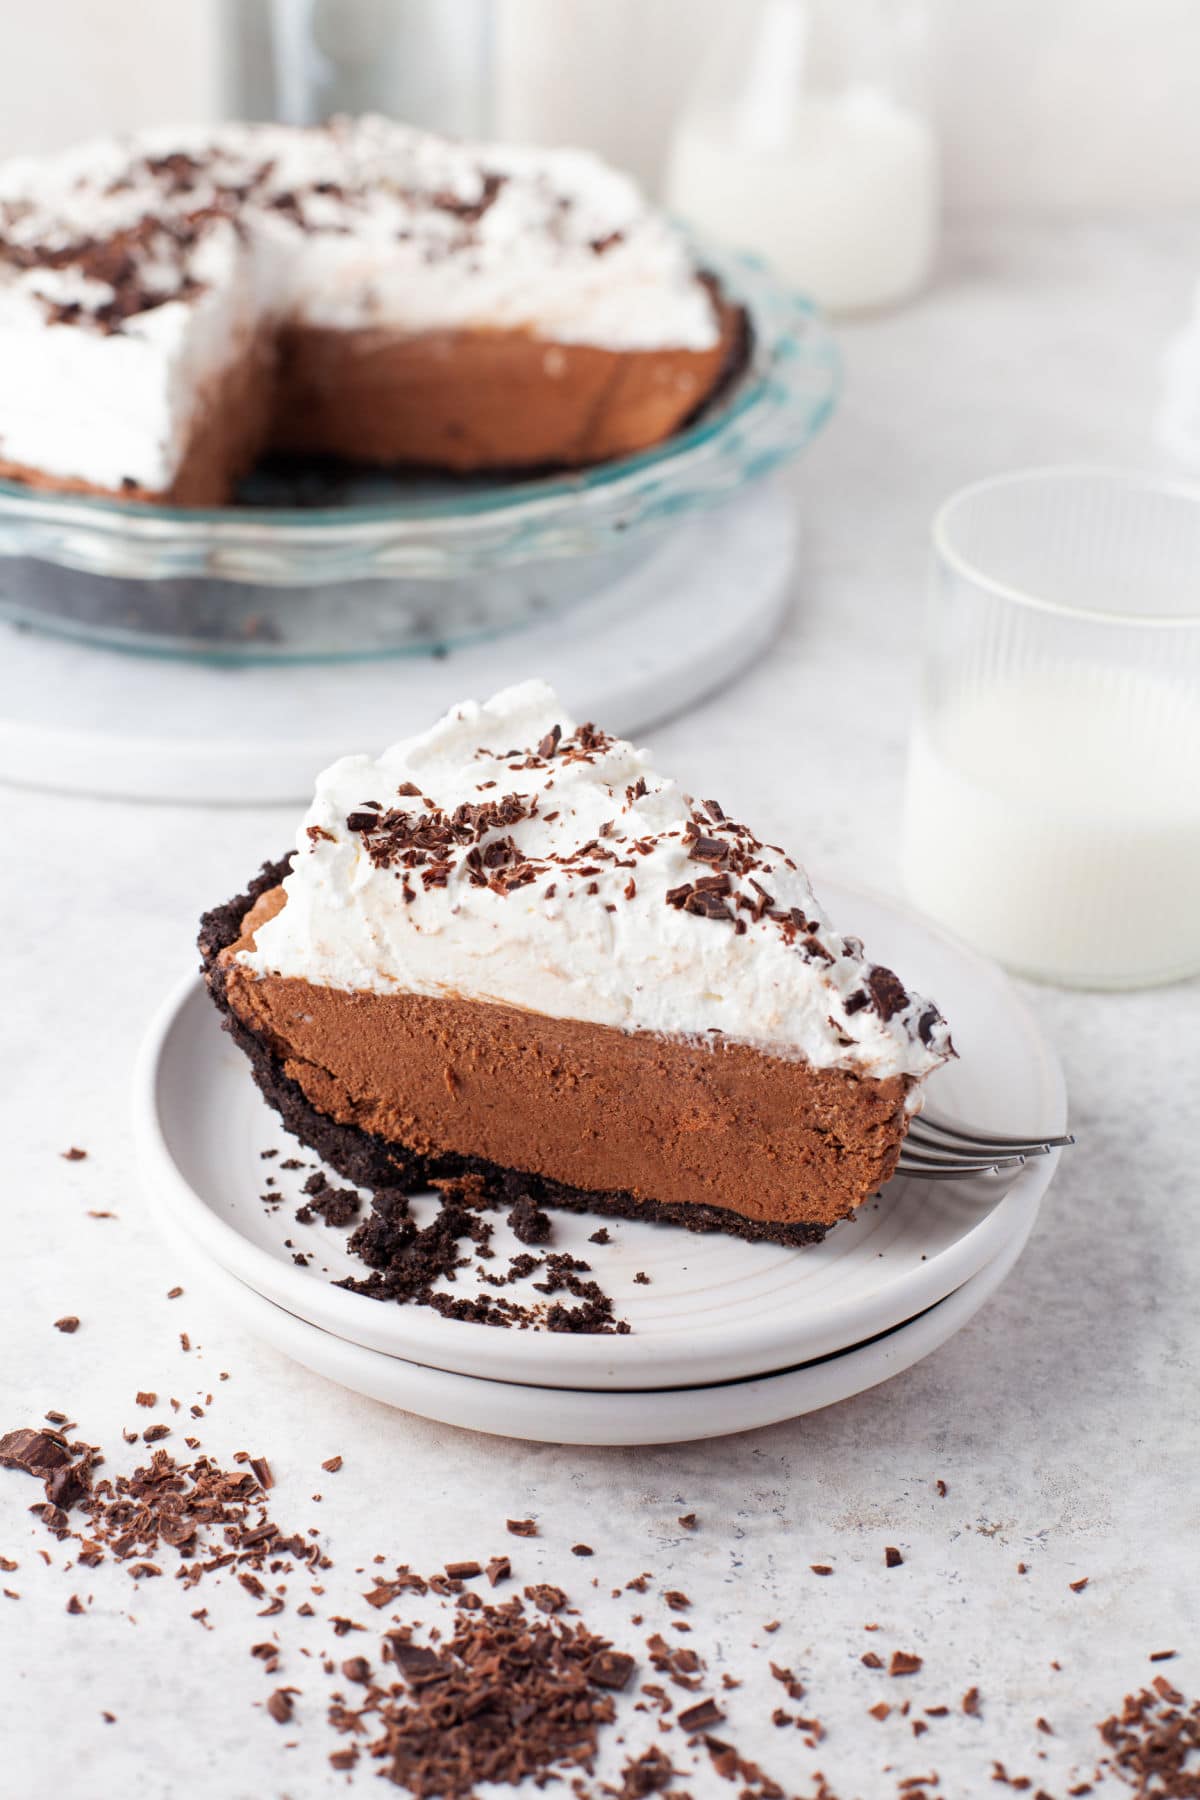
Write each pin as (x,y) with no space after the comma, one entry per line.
(938,1152)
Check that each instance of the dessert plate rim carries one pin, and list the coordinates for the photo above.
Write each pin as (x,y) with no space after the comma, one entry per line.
(607,1418)
(186,1025)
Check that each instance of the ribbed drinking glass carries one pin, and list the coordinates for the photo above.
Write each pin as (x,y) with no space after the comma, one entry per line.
(1053,803)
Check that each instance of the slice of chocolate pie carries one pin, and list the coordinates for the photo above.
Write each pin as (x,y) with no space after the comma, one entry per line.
(509,949)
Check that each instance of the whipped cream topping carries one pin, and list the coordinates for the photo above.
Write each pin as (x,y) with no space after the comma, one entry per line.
(509,855)
(132,270)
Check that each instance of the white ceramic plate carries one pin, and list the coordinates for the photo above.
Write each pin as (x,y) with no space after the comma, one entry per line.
(586,1416)
(715,1308)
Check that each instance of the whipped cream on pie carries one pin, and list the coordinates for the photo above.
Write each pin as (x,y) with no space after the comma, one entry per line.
(511,855)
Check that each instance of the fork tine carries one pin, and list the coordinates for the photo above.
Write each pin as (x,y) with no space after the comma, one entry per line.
(987,1139)
(946,1171)
(922,1161)
(925,1141)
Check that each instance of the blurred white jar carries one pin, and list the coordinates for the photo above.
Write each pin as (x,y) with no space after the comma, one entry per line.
(806,139)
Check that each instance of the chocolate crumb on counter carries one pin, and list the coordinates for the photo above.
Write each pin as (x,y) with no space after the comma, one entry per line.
(499,1569)
(892,1557)
(525,1528)
(68,1323)
(611,1669)
(332,1464)
(262,1471)
(700,1717)
(74,1154)
(1077,1587)
(650,1773)
(821,1568)
(582,1550)
(904,1663)
(280,1705)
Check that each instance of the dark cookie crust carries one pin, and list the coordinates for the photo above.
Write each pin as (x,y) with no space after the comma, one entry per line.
(373,1162)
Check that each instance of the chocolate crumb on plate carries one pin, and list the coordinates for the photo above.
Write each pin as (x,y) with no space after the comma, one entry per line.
(529,1223)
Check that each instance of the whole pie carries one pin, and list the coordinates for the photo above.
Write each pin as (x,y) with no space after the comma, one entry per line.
(175,305)
(508,949)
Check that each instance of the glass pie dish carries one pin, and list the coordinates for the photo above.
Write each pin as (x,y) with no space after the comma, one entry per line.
(319,564)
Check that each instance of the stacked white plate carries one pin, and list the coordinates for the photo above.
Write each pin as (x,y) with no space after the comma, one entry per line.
(724,1336)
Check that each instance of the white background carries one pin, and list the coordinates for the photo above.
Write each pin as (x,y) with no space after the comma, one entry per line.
(1056,103)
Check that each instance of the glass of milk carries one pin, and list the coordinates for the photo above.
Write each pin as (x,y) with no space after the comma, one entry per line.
(806,139)
(1053,805)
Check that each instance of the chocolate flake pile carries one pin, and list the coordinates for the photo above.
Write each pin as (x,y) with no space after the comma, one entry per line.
(505,1697)
(1154,1743)
(213,1518)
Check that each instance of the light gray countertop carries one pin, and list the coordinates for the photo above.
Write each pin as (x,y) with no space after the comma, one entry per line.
(1063,1419)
